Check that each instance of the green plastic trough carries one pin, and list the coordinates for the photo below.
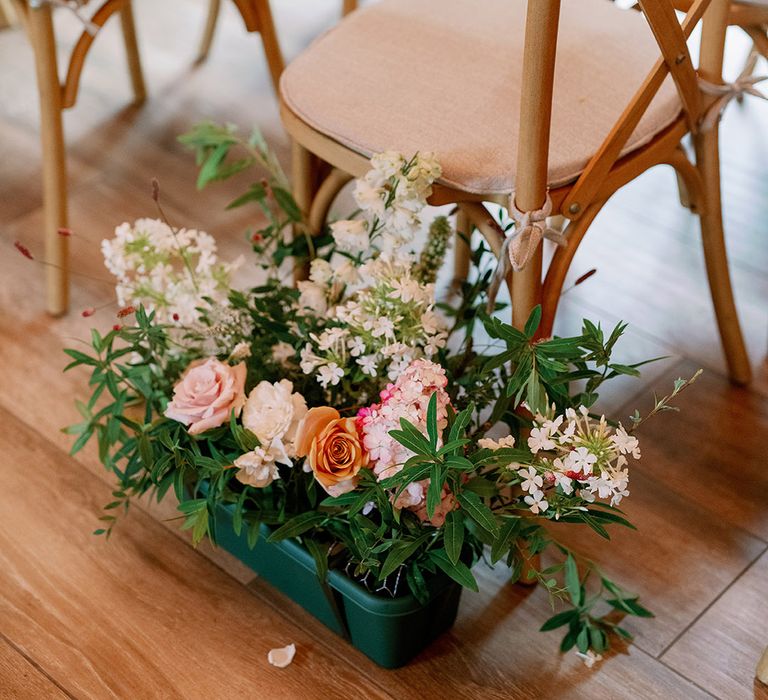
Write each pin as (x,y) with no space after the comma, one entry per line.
(390,631)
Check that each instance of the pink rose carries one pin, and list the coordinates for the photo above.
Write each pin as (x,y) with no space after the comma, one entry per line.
(206,394)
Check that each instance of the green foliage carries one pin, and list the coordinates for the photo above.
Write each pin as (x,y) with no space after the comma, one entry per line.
(586,628)
(543,371)
(222,153)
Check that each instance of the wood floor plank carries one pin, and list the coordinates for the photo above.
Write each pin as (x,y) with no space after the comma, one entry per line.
(20,680)
(695,534)
(712,452)
(139,616)
(493,651)
(720,651)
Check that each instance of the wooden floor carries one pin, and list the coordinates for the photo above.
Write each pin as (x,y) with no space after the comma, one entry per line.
(146,616)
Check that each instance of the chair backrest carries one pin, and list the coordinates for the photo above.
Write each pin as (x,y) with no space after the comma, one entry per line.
(674,59)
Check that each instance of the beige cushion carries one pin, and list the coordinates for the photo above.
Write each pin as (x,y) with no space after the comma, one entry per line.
(445,75)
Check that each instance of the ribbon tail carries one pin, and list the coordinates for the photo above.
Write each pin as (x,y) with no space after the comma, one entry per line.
(524,245)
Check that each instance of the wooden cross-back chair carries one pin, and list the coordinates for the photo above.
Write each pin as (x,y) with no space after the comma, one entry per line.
(472,80)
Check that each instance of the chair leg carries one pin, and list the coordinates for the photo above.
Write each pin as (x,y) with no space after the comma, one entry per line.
(348,6)
(713,239)
(462,252)
(132,53)
(526,289)
(214,6)
(7,16)
(303,175)
(41,35)
(271,44)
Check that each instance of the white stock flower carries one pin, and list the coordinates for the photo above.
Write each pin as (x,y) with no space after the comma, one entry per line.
(312,296)
(351,236)
(273,411)
(369,198)
(320,271)
(388,163)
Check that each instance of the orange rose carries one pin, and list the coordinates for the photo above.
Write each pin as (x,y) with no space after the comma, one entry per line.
(332,448)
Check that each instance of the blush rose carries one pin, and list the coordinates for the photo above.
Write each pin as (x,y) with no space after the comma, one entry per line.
(207,393)
(333,449)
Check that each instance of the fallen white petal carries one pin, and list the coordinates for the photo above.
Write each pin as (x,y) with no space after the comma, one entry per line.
(589,658)
(282,656)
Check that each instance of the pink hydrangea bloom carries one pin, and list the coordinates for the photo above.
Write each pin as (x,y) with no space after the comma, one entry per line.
(407,398)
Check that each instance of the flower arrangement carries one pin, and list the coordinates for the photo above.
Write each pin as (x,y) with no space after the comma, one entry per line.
(398,437)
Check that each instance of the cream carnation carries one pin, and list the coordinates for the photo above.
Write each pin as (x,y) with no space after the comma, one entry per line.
(273,411)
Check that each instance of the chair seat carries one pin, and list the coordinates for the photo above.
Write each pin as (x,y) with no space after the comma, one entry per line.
(445,76)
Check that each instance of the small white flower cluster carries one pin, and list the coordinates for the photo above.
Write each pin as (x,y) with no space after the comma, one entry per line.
(580,455)
(380,329)
(584,457)
(167,271)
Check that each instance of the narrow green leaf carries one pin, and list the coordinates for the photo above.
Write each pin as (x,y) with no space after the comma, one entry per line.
(459,571)
(460,423)
(453,533)
(562,618)
(572,582)
(435,489)
(298,525)
(432,421)
(401,551)
(532,324)
(478,511)
(503,541)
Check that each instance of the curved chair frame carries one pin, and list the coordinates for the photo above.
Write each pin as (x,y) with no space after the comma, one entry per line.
(580,201)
